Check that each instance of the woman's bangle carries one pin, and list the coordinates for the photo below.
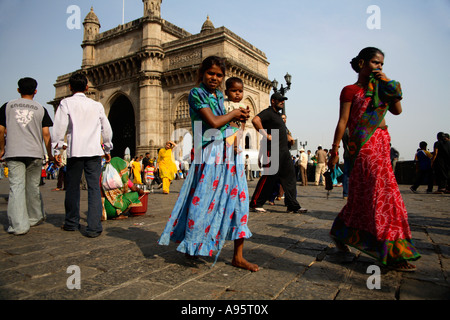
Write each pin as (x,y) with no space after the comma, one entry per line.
(334,154)
(335,145)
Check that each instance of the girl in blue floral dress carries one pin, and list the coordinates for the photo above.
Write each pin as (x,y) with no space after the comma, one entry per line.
(213,204)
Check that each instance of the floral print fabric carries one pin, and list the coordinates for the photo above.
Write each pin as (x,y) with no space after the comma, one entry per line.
(213,204)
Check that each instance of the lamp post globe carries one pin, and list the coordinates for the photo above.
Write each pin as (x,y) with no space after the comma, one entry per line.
(288,79)
(283,90)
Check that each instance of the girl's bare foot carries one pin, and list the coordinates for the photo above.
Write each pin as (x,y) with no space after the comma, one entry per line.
(244,264)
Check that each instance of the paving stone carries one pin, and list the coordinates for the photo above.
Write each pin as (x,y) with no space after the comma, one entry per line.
(137,290)
(423,290)
(294,252)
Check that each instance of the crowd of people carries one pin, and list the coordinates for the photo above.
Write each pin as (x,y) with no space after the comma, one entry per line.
(214,203)
(314,165)
(433,167)
(157,171)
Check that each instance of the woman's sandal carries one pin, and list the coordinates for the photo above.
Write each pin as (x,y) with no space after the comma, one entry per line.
(403,267)
(340,245)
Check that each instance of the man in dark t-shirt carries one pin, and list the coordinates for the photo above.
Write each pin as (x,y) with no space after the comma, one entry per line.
(276,166)
(441,163)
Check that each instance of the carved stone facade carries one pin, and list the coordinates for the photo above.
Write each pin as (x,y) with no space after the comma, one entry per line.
(142,73)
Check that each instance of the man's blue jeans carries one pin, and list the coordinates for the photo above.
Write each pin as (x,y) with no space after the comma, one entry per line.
(25,205)
(92,170)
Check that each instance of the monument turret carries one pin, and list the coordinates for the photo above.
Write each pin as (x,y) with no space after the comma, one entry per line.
(152,8)
(91,30)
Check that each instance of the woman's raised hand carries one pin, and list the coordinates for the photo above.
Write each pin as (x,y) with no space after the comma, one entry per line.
(380,75)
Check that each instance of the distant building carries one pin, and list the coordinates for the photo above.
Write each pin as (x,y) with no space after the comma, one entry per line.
(142,73)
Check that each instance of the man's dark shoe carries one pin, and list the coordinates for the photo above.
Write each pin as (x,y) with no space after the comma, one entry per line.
(91,234)
(301,210)
(65,228)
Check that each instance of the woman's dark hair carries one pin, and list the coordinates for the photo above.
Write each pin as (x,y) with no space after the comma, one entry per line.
(78,82)
(208,63)
(365,54)
(27,86)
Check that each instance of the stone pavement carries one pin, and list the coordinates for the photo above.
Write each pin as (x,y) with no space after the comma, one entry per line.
(294,252)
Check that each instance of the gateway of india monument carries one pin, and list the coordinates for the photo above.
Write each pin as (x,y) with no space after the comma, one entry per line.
(142,72)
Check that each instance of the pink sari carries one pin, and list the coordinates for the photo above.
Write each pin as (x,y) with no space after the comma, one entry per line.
(374,220)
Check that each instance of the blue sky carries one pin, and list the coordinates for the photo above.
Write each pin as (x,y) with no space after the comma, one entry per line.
(312,40)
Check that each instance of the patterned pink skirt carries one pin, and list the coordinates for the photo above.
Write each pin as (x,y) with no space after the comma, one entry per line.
(375,220)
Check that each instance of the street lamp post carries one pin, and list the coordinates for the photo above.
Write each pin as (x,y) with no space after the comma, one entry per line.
(282,89)
(303,144)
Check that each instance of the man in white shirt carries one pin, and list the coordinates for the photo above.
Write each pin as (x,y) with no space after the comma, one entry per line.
(303,166)
(86,124)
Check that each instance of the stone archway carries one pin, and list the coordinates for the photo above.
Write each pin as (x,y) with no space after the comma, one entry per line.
(250,134)
(122,119)
(182,133)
